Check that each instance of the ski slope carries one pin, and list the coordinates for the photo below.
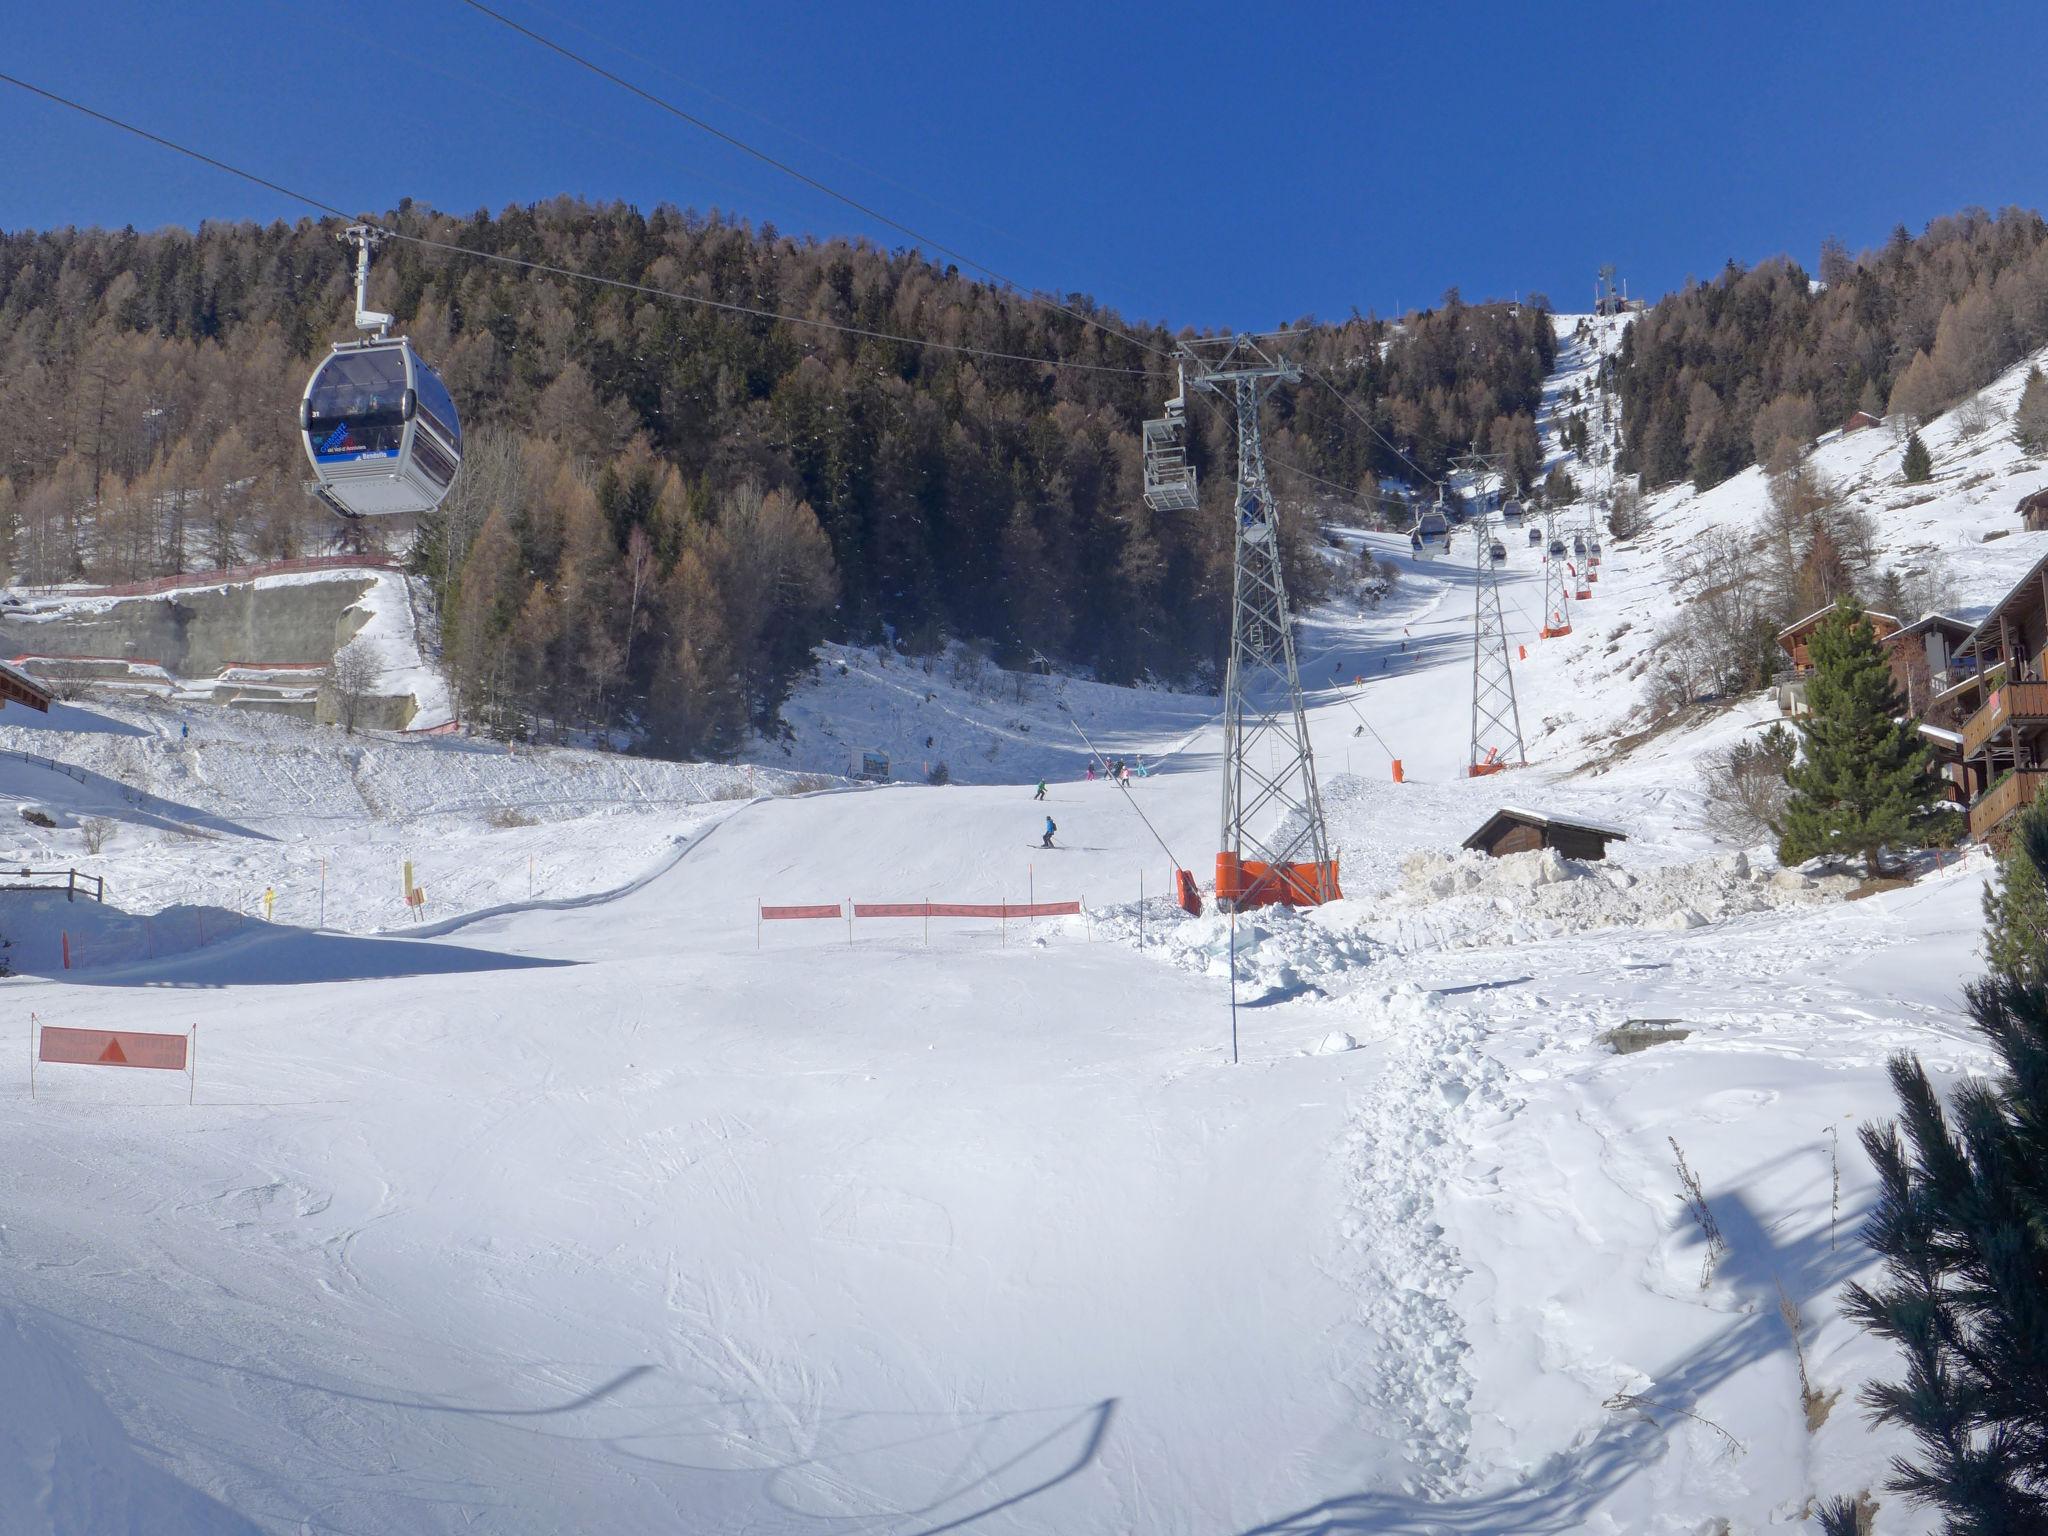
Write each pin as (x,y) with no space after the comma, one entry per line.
(605,1209)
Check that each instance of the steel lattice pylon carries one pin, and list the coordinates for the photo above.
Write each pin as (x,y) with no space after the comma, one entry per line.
(1272,809)
(1557,590)
(1496,716)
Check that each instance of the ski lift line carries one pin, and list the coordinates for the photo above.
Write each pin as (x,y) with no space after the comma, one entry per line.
(808,180)
(1128,800)
(1366,422)
(144,133)
(566,272)
(762,314)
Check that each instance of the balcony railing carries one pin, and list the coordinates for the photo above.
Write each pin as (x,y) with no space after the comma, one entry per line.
(2014,792)
(2009,702)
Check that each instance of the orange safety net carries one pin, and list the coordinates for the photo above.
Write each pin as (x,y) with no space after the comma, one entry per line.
(788,914)
(1002,909)
(111,1048)
(1248,883)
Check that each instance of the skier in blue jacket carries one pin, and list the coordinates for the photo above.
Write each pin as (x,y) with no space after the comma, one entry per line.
(1049,830)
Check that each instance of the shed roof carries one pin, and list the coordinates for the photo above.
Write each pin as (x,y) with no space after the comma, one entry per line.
(1798,626)
(2021,593)
(1539,819)
(1947,623)
(17,687)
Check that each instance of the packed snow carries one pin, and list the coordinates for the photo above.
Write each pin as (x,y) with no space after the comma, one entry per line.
(597,1202)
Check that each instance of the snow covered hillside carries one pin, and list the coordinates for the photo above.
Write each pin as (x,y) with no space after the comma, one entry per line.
(611,1208)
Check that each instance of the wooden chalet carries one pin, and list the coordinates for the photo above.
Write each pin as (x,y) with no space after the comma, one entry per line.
(1794,638)
(17,687)
(2002,701)
(1859,420)
(2033,511)
(1508,831)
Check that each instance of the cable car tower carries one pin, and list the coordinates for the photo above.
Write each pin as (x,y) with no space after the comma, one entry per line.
(1274,847)
(1496,715)
(1557,590)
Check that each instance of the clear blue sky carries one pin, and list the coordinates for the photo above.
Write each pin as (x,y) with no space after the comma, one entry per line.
(1213,164)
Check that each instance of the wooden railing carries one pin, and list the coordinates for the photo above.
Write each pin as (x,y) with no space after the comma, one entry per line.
(2008,702)
(2014,792)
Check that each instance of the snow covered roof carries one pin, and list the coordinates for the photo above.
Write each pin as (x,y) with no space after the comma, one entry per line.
(1541,819)
(1797,625)
(2026,591)
(1936,733)
(1946,622)
(17,687)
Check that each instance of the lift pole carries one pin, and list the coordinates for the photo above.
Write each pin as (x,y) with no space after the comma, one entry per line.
(1496,715)
(1274,846)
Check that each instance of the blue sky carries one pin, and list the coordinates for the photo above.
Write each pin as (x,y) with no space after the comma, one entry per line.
(1212,164)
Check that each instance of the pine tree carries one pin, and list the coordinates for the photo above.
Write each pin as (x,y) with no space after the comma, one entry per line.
(1918,465)
(1959,1225)
(2030,419)
(1863,783)
(2016,907)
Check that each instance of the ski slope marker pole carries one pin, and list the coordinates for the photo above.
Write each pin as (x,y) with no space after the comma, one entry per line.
(31,1056)
(1233,984)
(192,1068)
(757,922)
(1141,909)
(849,922)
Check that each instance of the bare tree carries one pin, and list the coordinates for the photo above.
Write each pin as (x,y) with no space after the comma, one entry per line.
(352,679)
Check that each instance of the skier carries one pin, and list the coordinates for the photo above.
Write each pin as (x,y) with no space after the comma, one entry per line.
(1050,828)
(1091,770)
(1124,775)
(1041,791)
(184,730)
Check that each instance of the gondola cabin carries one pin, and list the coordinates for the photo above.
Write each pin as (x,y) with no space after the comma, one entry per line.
(1431,526)
(1498,552)
(1578,544)
(380,430)
(1557,549)
(1511,512)
(1535,535)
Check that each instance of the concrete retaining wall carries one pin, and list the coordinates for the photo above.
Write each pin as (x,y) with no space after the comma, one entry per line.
(197,633)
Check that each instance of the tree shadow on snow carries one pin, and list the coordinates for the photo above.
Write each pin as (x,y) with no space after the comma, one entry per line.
(1568,1487)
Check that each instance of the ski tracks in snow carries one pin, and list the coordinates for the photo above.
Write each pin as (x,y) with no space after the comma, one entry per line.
(1410,1135)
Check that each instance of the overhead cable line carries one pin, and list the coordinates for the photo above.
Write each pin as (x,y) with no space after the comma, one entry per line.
(567,272)
(868,210)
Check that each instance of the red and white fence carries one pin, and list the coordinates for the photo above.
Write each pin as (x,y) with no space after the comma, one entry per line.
(848,911)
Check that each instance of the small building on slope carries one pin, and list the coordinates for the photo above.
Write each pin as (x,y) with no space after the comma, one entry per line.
(1509,830)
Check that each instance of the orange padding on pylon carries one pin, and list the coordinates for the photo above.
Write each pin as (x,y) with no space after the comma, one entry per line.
(786,914)
(1248,883)
(967,909)
(111,1048)
(1190,896)
(1480,770)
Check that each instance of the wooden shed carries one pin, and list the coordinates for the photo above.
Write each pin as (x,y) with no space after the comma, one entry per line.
(2033,511)
(1858,420)
(1508,831)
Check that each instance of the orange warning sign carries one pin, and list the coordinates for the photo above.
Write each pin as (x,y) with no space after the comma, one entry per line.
(112,1048)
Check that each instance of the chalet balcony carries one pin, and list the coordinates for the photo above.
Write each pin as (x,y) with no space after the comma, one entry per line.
(2011,794)
(2010,703)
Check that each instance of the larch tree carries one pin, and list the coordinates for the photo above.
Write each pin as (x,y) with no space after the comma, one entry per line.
(1863,783)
